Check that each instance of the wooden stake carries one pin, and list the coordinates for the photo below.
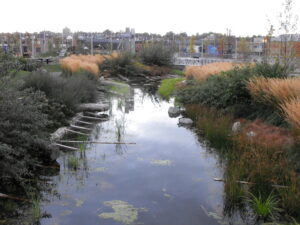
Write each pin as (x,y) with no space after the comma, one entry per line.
(92,118)
(94,114)
(67,147)
(13,197)
(249,183)
(80,121)
(77,132)
(98,142)
(82,128)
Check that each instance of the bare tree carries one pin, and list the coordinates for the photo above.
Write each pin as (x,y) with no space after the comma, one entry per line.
(288,26)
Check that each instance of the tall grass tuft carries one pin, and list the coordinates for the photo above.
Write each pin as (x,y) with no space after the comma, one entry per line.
(90,63)
(291,111)
(264,208)
(274,90)
(203,72)
(215,124)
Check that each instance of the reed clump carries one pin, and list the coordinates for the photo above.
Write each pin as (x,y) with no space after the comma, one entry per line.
(90,63)
(291,111)
(201,73)
(274,90)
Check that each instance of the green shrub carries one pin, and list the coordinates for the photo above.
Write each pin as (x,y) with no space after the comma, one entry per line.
(156,54)
(23,139)
(167,87)
(229,91)
(121,65)
(68,91)
(178,72)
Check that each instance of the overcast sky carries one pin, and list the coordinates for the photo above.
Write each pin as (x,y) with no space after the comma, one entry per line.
(243,17)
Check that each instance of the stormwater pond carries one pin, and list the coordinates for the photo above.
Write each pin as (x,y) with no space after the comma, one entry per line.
(163,176)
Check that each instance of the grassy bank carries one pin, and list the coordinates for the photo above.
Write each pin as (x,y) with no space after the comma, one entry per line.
(254,166)
(260,163)
(33,105)
(168,87)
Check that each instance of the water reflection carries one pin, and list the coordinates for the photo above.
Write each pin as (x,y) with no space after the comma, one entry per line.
(166,178)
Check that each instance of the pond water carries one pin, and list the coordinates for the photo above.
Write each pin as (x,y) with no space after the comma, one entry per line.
(166,178)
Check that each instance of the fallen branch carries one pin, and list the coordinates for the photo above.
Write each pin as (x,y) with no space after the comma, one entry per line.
(98,142)
(248,183)
(67,147)
(14,197)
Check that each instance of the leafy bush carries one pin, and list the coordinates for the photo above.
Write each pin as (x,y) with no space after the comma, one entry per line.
(68,91)
(121,65)
(156,54)
(229,91)
(23,139)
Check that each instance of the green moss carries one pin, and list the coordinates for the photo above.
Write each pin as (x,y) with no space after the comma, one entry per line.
(167,87)
(122,90)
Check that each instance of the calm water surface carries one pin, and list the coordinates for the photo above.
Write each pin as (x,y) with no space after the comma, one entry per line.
(165,179)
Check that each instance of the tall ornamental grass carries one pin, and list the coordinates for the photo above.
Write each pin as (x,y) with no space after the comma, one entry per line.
(203,72)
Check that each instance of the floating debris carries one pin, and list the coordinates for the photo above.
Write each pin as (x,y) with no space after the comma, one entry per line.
(64,203)
(161,162)
(66,213)
(123,212)
(78,202)
(168,196)
(101,169)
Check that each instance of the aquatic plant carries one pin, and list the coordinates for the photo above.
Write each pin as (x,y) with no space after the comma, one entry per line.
(167,87)
(215,125)
(264,208)
(73,163)
(36,209)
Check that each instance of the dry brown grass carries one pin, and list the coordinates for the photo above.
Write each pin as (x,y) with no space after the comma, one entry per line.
(274,90)
(291,110)
(203,72)
(90,63)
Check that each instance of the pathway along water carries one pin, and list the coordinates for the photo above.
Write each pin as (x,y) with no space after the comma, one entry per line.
(165,179)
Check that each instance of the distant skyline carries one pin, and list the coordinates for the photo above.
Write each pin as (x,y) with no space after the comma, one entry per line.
(243,17)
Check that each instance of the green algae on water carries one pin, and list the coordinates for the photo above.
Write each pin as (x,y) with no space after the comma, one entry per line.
(78,202)
(161,162)
(123,212)
(66,213)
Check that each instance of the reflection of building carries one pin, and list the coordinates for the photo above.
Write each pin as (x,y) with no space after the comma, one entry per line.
(129,101)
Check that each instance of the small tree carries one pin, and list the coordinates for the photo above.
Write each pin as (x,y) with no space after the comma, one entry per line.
(288,25)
